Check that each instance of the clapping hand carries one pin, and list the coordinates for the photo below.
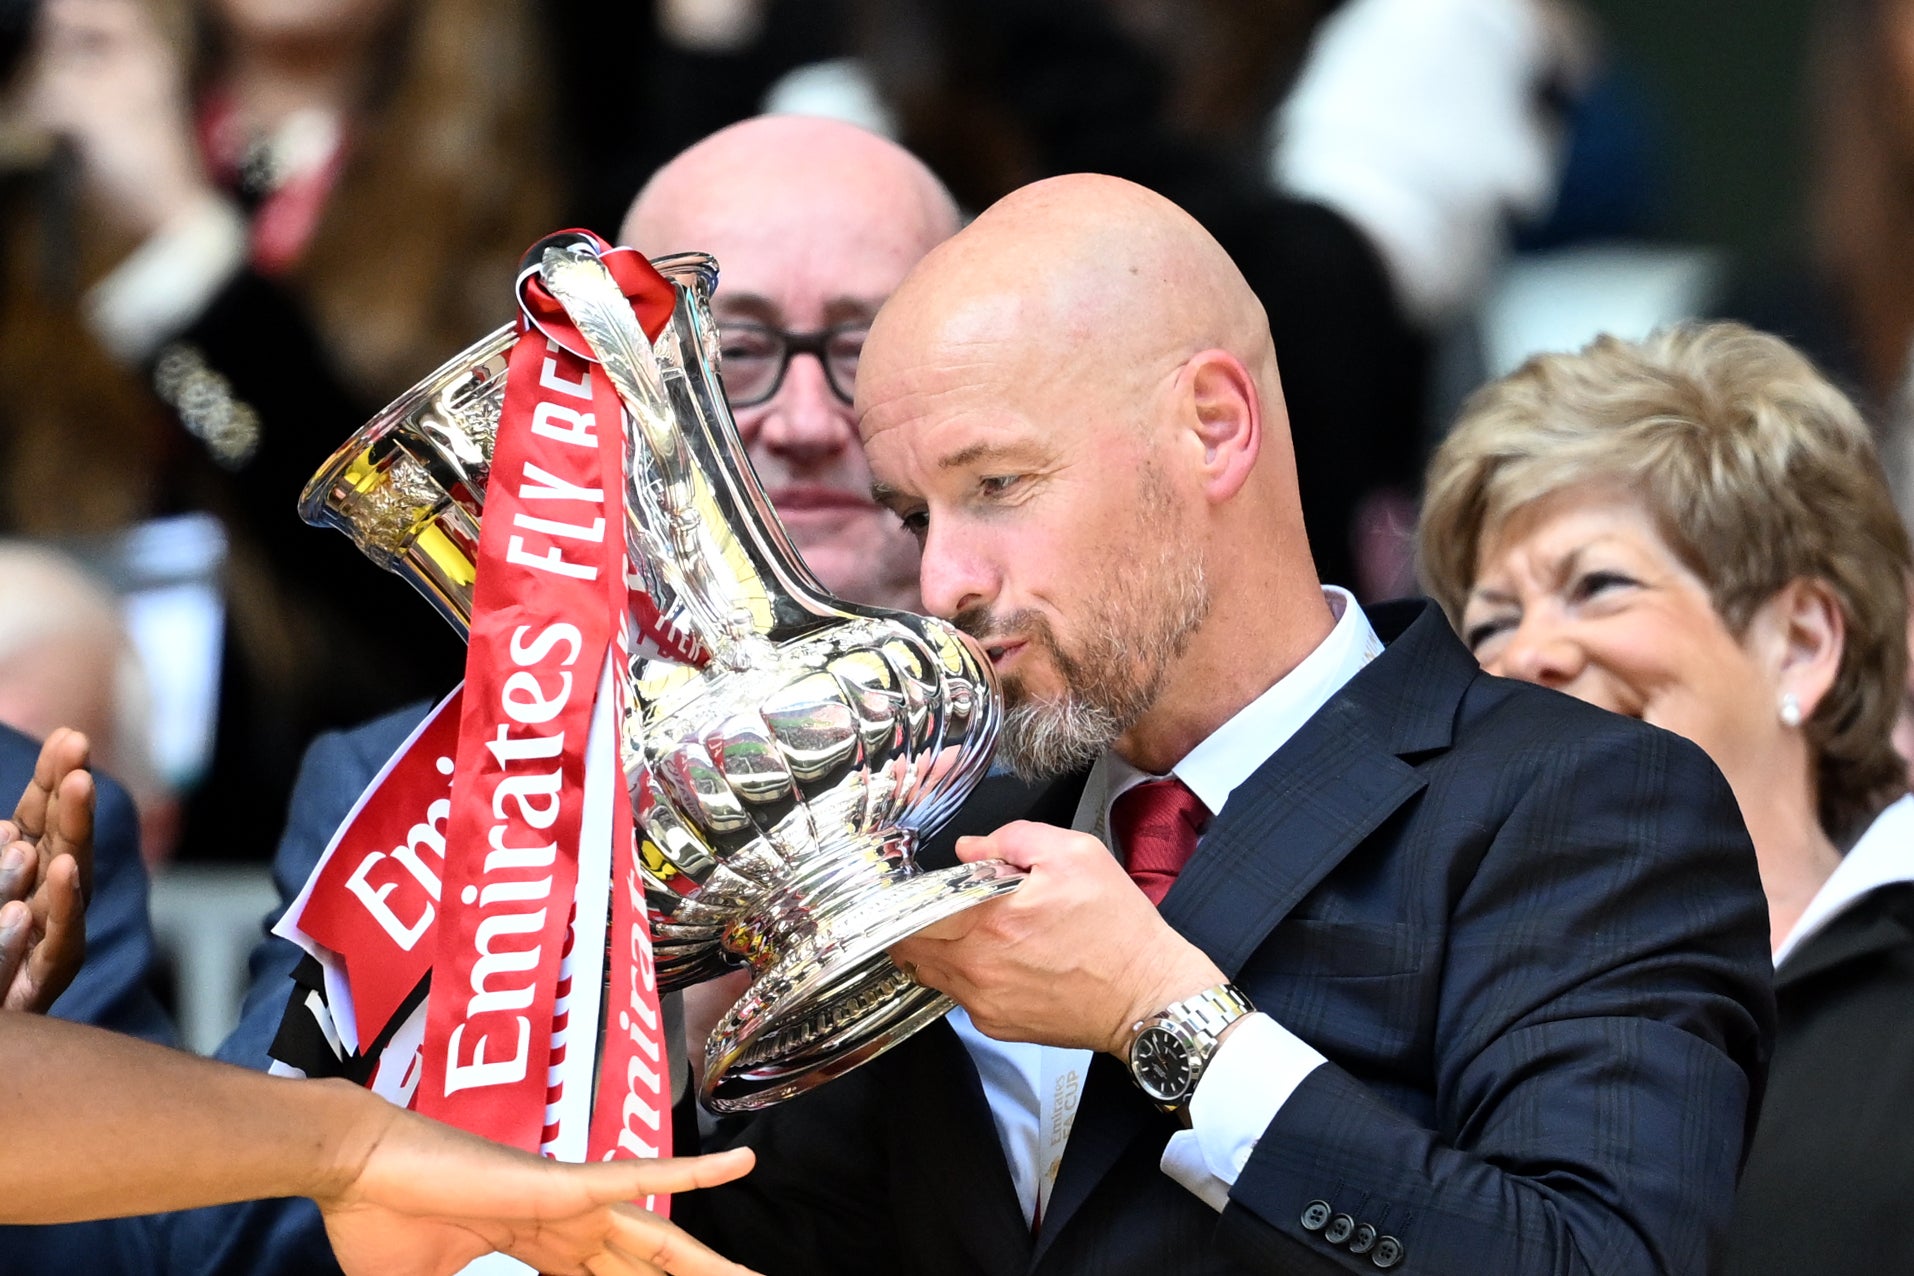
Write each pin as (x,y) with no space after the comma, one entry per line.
(46,873)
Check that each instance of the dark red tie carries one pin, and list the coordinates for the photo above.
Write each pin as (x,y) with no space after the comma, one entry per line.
(1156,825)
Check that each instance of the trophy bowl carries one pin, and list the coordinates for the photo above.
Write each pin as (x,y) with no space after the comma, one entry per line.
(779,790)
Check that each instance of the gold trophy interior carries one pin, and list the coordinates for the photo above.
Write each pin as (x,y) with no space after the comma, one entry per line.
(781,789)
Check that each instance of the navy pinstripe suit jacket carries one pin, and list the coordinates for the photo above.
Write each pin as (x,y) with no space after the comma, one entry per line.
(1526,933)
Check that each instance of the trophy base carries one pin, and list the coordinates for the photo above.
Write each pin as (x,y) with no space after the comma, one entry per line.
(838,1001)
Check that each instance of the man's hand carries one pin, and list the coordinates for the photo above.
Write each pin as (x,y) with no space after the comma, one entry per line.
(1073,957)
(46,874)
(429,1199)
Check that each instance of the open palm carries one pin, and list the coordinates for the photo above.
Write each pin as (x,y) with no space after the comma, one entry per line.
(431,1198)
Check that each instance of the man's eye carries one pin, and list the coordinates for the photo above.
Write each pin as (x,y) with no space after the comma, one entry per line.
(916,522)
(846,343)
(998,484)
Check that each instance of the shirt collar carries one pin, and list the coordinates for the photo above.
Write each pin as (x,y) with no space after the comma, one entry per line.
(1883,856)
(1231,753)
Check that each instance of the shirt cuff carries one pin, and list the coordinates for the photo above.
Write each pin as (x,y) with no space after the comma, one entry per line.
(1248,1080)
(168,281)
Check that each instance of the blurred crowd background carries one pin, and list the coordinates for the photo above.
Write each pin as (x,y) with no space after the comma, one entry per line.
(231,230)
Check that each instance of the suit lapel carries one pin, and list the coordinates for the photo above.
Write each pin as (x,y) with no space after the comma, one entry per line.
(1326,789)
(947,1131)
(1281,832)
(1110,1116)
(947,1128)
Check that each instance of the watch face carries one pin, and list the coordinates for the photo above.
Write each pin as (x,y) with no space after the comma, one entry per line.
(1160,1060)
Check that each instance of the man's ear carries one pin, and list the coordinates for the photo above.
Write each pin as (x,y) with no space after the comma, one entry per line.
(1805,634)
(1226,421)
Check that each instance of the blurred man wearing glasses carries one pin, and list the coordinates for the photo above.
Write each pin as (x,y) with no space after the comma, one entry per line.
(813,224)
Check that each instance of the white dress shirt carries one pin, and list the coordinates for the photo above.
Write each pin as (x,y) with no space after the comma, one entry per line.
(1033,1089)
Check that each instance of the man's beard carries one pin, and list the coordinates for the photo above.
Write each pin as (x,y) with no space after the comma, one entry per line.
(1137,624)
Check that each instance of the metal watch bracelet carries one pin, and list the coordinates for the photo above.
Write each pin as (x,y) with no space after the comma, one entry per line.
(1172,1048)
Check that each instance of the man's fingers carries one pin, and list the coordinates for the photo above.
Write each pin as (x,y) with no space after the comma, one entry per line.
(1020,844)
(52,963)
(943,930)
(54,817)
(70,827)
(623,1180)
(15,924)
(921,956)
(621,1257)
(651,1244)
(1012,842)
(641,1242)
(30,812)
(973,847)
(717,1167)
(924,961)
(64,751)
(612,1261)
(18,871)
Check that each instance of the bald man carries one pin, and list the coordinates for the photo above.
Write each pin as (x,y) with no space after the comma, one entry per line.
(814,223)
(1355,958)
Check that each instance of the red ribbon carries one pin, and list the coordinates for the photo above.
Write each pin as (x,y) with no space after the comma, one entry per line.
(375,895)
(539,636)
(492,917)
(649,292)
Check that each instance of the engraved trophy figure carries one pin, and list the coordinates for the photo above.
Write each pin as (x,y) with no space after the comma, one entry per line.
(781,788)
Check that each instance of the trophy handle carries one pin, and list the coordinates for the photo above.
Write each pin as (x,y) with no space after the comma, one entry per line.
(665,481)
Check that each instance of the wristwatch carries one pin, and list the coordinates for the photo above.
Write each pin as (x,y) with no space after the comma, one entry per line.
(1173,1046)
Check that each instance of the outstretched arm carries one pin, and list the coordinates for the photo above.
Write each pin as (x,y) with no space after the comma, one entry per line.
(118,1126)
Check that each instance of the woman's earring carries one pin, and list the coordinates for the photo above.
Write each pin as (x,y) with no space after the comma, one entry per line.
(1790,710)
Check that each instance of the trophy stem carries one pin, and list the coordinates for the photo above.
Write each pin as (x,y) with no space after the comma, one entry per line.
(824,884)
(827,998)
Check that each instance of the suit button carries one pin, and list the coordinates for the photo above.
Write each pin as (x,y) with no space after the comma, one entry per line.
(1315,1214)
(1339,1228)
(1388,1252)
(1364,1240)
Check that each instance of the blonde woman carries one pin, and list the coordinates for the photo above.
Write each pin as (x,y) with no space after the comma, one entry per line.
(1694,530)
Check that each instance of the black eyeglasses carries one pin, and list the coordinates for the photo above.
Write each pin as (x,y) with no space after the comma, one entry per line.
(754,356)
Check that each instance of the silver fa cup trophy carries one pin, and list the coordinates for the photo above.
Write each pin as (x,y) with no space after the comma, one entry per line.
(782,788)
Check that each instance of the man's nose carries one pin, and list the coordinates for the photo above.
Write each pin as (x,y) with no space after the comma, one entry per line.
(1541,650)
(953,574)
(806,420)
